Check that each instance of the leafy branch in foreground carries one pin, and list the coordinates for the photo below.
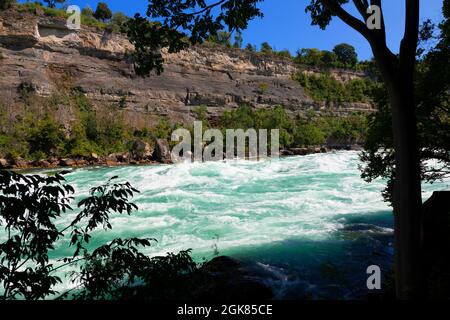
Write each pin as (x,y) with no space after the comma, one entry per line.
(30,206)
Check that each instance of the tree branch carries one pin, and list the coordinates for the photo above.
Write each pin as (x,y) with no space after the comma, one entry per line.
(362,8)
(350,20)
(411,36)
(208,7)
(385,58)
(67,264)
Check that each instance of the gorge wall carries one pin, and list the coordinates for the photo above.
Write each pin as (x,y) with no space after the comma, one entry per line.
(36,51)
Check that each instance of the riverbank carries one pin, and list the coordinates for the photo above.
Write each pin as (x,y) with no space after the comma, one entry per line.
(120,159)
(141,154)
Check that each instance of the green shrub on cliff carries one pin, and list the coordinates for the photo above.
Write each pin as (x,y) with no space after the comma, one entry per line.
(222,38)
(118,22)
(87,15)
(162,130)
(324,87)
(41,128)
(32,7)
(89,20)
(284,54)
(309,134)
(276,118)
(350,129)
(245,118)
(46,137)
(250,48)
(266,48)
(87,11)
(79,145)
(262,87)
(13,145)
(310,130)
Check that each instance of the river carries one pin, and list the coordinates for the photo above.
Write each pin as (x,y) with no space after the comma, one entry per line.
(309,226)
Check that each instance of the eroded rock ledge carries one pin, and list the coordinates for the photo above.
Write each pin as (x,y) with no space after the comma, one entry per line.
(36,49)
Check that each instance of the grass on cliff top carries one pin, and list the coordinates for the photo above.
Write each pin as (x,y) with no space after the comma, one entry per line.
(86,20)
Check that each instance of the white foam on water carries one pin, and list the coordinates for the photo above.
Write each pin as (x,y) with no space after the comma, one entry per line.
(236,204)
(294,192)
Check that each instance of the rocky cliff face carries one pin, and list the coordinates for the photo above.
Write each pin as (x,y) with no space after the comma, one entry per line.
(35,50)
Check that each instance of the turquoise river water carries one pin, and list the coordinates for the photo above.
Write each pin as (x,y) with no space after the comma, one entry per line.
(309,226)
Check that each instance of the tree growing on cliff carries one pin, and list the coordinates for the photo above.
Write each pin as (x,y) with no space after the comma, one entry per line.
(103,12)
(346,54)
(311,57)
(88,12)
(221,38)
(328,58)
(118,21)
(238,40)
(200,18)
(250,47)
(53,3)
(266,48)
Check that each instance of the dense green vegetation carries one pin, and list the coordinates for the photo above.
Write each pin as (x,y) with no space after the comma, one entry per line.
(38,133)
(312,130)
(343,56)
(324,87)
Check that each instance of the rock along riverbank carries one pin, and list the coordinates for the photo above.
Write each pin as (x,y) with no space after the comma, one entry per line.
(140,154)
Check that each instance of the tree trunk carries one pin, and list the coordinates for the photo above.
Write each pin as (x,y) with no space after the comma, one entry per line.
(407,188)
